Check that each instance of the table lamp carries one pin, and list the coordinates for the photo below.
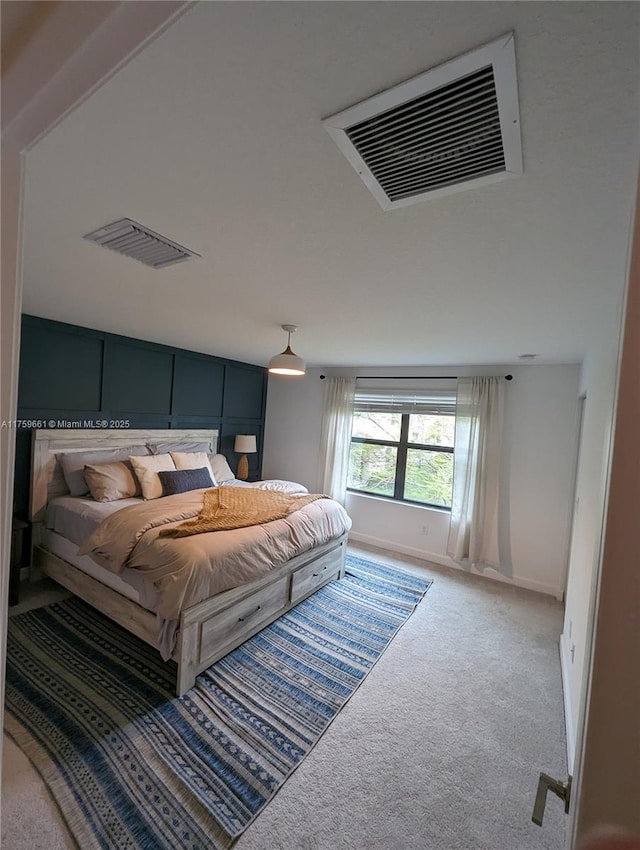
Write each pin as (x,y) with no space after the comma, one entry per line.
(245,444)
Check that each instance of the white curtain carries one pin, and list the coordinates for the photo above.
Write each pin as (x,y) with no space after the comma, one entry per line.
(335,439)
(473,532)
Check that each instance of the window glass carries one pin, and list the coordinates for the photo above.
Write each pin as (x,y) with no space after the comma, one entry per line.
(372,468)
(377,426)
(429,477)
(431,430)
(403,451)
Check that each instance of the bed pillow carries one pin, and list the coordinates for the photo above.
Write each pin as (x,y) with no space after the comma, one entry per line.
(177,446)
(109,482)
(221,470)
(182,480)
(193,460)
(73,464)
(147,469)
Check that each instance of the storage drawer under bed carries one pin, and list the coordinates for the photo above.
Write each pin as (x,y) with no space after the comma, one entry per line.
(305,580)
(242,619)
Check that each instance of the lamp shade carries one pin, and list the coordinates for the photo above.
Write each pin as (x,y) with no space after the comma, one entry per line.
(245,444)
(287,363)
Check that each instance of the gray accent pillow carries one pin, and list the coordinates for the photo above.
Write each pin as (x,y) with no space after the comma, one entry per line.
(176,446)
(73,464)
(109,482)
(182,480)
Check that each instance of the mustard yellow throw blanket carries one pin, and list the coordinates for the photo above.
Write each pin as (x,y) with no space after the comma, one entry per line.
(225,508)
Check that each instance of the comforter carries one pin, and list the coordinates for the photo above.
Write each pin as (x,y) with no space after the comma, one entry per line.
(187,570)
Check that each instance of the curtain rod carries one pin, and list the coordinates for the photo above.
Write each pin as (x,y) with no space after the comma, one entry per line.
(409,377)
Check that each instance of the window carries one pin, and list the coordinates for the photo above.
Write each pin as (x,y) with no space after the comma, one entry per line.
(402,445)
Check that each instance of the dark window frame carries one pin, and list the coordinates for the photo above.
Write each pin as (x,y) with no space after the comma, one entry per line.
(402,445)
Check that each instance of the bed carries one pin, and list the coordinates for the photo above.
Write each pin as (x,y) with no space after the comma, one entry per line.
(195,598)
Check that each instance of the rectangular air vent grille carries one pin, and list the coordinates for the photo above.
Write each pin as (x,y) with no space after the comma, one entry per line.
(453,127)
(138,242)
(450,134)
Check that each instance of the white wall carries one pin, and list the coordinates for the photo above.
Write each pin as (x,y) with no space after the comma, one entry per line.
(538,469)
(597,382)
(292,428)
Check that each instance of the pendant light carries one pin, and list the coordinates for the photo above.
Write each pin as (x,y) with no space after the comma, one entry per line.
(287,363)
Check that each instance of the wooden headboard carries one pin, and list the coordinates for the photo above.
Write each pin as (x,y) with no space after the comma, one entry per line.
(47,480)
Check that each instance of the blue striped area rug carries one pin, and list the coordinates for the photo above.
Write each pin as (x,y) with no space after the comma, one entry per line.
(132,766)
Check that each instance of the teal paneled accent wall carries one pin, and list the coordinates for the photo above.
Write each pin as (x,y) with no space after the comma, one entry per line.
(70,374)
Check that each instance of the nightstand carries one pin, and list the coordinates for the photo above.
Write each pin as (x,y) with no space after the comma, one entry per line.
(18,528)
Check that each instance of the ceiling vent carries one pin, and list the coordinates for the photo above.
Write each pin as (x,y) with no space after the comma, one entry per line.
(452,128)
(138,242)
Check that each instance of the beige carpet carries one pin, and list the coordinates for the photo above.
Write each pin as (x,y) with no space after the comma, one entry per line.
(439,748)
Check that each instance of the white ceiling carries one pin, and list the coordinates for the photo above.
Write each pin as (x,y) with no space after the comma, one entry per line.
(213,137)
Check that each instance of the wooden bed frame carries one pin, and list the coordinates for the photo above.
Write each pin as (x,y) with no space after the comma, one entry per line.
(209,629)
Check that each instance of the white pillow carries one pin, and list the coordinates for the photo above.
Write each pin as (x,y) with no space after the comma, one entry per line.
(221,470)
(147,469)
(193,460)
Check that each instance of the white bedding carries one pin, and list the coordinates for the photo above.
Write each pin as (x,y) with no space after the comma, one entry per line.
(70,521)
(76,518)
(186,570)
(68,551)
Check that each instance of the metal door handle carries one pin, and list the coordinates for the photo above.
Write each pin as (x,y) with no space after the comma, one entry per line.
(560,789)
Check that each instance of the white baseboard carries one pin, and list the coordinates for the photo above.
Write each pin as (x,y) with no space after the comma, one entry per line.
(443,560)
(566,699)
